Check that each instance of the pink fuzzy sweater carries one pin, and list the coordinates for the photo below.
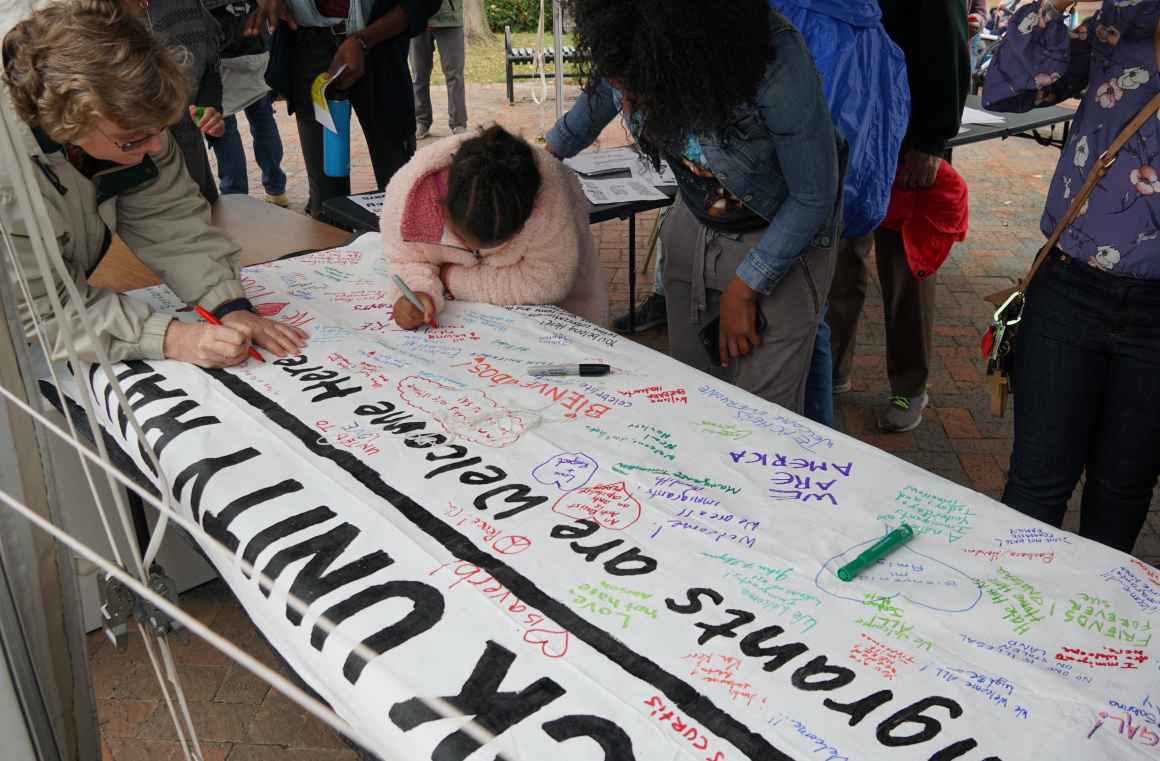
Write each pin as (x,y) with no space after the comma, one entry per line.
(551,260)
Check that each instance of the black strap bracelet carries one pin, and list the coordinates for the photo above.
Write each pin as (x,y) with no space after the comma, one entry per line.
(233,305)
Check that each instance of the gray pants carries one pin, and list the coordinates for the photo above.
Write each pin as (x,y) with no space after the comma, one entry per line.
(449,40)
(907,302)
(700,262)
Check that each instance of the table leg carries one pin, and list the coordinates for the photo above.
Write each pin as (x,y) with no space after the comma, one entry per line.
(140,523)
(632,274)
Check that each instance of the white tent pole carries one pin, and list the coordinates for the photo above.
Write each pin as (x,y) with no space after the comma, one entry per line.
(557,23)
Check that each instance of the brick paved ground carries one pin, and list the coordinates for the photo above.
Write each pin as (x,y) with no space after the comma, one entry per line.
(241,720)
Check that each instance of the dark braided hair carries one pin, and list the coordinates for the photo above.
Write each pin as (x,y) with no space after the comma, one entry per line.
(686,64)
(492,186)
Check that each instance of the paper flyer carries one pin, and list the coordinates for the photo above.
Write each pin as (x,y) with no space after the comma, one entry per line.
(318,96)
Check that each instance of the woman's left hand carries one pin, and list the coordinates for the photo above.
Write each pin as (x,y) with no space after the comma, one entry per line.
(738,332)
(212,123)
(276,337)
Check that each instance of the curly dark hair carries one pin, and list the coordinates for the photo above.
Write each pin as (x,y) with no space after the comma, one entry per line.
(686,64)
(492,185)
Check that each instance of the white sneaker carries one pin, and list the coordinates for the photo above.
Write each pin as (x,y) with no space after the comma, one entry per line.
(422,131)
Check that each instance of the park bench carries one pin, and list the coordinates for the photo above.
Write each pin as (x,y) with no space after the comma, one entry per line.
(526,57)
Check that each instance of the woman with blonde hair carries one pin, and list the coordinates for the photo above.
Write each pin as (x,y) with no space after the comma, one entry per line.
(97,91)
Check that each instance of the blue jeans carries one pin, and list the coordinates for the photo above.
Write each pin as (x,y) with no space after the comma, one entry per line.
(820,383)
(1087,397)
(231,157)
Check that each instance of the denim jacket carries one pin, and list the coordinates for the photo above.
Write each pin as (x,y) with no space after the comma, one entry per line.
(780,155)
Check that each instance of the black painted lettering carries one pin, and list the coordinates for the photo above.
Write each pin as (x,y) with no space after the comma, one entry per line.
(200,472)
(332,389)
(578,529)
(833,677)
(292,361)
(314,580)
(399,423)
(957,750)
(457,452)
(753,645)
(363,410)
(613,741)
(424,440)
(147,390)
(170,424)
(295,373)
(454,466)
(694,596)
(912,714)
(283,529)
(427,611)
(218,525)
(494,711)
(631,562)
(860,709)
(479,478)
(519,495)
(591,553)
(728,629)
(325,375)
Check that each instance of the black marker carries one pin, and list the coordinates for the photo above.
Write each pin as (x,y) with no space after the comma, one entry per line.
(583,370)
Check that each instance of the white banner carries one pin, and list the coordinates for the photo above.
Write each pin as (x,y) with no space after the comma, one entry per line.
(638,566)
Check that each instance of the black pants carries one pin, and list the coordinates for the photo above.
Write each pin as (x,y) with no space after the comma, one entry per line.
(1087,396)
(384,105)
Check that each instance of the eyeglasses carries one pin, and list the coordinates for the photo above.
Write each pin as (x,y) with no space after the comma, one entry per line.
(132,145)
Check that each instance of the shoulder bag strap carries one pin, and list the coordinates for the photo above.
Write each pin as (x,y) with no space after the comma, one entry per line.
(1103,163)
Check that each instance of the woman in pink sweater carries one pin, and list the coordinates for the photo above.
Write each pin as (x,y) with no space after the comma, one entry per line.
(487,217)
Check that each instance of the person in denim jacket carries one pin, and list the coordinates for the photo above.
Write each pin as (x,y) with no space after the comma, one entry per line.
(738,112)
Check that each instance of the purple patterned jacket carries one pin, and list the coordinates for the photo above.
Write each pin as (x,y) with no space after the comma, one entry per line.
(1041,62)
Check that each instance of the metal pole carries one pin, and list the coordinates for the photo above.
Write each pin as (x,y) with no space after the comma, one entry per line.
(558,37)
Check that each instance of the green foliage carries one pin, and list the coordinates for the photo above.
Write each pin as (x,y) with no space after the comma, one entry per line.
(520,15)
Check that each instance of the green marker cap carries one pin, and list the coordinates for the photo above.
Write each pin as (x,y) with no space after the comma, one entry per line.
(876,552)
(198,113)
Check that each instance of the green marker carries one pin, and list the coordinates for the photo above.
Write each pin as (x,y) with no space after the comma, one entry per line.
(198,114)
(876,552)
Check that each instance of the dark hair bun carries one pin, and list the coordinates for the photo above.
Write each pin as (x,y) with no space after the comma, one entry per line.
(492,185)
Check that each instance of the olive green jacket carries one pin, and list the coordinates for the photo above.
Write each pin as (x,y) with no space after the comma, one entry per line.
(156,210)
(449,14)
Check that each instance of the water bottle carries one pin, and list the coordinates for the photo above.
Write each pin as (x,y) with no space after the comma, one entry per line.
(336,145)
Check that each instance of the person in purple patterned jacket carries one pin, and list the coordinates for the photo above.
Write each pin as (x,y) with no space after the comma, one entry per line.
(1087,366)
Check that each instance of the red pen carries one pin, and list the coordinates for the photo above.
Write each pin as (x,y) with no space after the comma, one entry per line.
(208,317)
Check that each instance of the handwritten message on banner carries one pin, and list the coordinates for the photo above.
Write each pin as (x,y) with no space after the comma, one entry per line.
(639,566)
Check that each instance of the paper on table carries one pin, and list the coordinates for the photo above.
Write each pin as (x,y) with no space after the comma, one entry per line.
(646,173)
(318,97)
(608,161)
(619,191)
(976,116)
(372,202)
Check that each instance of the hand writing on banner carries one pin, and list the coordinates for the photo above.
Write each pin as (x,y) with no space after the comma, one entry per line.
(408,316)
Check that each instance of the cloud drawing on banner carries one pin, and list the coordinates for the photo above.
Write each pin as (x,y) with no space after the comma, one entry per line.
(912,576)
(464,413)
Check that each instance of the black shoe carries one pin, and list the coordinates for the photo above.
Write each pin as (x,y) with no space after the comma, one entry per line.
(649,314)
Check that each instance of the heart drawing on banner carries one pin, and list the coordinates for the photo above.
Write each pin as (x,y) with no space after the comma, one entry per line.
(553,642)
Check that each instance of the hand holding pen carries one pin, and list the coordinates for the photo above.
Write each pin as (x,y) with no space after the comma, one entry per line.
(413,309)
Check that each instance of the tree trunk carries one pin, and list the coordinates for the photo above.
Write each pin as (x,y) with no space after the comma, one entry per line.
(475,22)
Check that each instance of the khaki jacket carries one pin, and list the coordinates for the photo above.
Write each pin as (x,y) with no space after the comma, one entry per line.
(157,211)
